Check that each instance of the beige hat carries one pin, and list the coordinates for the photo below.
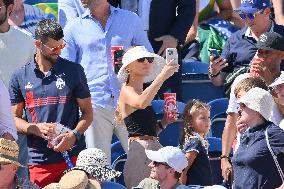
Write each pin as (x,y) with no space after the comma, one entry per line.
(75,179)
(278,81)
(9,152)
(259,100)
(140,52)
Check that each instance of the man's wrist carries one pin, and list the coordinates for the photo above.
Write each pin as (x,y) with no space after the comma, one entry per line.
(212,74)
(225,157)
(77,134)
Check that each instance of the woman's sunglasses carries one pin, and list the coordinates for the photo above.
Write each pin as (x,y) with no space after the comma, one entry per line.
(150,59)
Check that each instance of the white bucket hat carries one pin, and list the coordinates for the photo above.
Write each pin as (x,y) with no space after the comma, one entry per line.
(259,100)
(94,162)
(140,52)
(173,156)
(278,81)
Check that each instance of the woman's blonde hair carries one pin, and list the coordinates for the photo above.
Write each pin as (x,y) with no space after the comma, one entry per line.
(190,108)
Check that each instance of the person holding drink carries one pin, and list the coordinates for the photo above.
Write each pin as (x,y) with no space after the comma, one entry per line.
(134,108)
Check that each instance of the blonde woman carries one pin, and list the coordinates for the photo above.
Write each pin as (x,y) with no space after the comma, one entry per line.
(139,67)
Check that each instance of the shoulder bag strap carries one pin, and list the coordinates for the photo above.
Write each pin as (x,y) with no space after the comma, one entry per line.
(274,156)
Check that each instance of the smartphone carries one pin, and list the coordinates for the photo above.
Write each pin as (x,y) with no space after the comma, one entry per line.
(117,58)
(214,53)
(171,53)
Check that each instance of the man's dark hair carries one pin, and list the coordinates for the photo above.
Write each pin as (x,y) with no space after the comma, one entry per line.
(48,29)
(8,2)
(177,175)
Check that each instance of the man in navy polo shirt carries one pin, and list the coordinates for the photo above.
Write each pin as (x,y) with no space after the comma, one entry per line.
(50,90)
(241,46)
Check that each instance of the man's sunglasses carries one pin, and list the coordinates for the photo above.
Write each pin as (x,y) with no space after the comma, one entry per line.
(150,59)
(156,164)
(251,16)
(55,49)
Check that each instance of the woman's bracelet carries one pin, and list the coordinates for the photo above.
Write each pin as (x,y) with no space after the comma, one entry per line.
(224,156)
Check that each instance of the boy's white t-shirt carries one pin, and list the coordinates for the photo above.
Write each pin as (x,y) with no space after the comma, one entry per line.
(275,116)
(16,50)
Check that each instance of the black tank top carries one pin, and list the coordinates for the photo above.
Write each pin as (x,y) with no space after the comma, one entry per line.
(141,122)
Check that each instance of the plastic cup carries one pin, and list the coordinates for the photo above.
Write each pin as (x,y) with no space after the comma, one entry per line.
(170,106)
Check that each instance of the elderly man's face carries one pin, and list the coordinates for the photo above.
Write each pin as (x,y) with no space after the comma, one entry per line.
(7,173)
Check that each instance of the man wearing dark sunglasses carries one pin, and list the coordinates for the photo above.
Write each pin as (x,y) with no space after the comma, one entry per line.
(51,91)
(166,166)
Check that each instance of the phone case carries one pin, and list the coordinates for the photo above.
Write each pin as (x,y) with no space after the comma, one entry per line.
(171,53)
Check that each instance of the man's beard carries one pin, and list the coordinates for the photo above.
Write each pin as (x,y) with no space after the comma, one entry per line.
(4,18)
(48,58)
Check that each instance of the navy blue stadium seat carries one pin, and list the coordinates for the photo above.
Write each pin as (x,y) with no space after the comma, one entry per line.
(196,83)
(111,185)
(170,135)
(218,116)
(118,165)
(116,150)
(215,150)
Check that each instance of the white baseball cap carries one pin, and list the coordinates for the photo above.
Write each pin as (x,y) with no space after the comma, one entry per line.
(278,81)
(173,156)
(259,100)
(136,53)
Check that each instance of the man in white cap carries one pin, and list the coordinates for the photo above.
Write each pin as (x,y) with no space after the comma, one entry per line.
(166,167)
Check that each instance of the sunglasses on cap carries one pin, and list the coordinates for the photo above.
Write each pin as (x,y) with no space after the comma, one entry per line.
(150,59)
(251,16)
(55,49)
(156,164)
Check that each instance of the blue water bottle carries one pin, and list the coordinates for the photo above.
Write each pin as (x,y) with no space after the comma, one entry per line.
(67,159)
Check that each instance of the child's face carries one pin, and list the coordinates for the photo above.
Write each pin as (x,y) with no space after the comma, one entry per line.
(201,121)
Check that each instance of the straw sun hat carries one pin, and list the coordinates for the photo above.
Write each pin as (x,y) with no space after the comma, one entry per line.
(9,152)
(140,52)
(75,179)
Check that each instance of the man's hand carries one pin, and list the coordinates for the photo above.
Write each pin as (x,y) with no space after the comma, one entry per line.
(216,65)
(65,142)
(168,42)
(44,130)
(226,167)
(241,127)
(259,66)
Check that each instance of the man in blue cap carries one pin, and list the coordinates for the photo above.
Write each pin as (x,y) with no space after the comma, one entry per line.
(236,57)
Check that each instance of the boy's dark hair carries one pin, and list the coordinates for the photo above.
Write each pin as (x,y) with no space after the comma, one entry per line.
(48,28)
(249,83)
(8,2)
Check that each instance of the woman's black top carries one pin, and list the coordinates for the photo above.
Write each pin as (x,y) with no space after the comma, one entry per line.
(141,122)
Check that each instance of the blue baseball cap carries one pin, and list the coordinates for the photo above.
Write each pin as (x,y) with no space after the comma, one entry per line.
(252,6)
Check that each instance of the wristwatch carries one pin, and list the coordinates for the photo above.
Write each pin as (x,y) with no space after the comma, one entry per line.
(77,134)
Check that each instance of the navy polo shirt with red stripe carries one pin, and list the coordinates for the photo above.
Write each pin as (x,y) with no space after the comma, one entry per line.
(50,97)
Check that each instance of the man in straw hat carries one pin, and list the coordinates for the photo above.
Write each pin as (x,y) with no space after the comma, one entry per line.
(253,162)
(9,164)
(166,166)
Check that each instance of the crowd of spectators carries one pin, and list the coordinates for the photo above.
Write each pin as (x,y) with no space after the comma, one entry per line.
(61,99)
